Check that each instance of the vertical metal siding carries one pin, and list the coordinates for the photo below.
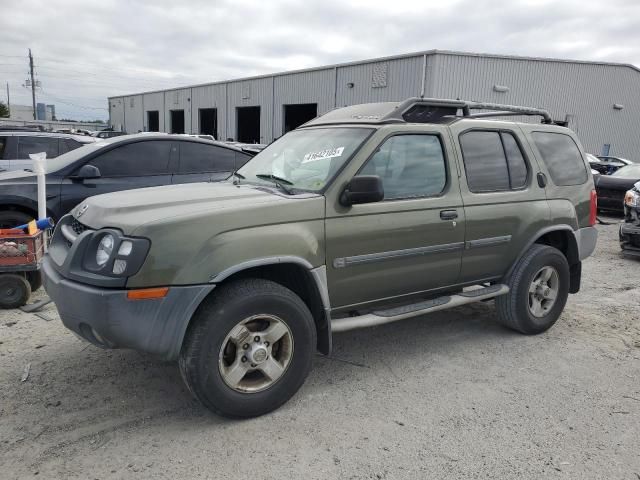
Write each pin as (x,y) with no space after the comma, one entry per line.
(210,96)
(178,100)
(154,101)
(260,94)
(404,79)
(116,114)
(307,87)
(585,91)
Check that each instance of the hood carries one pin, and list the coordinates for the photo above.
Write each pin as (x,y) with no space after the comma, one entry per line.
(133,210)
(615,183)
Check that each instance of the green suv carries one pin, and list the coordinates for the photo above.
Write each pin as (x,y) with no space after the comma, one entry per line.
(364,216)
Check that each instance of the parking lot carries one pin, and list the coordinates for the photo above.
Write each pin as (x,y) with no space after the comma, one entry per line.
(452,395)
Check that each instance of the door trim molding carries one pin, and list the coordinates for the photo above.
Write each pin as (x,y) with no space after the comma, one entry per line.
(487,242)
(343,262)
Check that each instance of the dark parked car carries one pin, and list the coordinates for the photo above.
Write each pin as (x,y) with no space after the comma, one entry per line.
(16,145)
(630,228)
(612,188)
(122,163)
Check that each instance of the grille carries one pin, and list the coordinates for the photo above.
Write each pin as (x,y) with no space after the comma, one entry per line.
(78,227)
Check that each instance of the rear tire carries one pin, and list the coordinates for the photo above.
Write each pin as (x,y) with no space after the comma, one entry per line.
(538,291)
(14,291)
(229,334)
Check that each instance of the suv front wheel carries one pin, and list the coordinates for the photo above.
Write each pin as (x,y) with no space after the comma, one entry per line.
(249,348)
(538,291)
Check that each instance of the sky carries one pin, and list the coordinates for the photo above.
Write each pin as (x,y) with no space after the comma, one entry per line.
(85,52)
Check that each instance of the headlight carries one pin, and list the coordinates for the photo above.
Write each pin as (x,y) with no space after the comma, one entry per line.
(632,198)
(105,249)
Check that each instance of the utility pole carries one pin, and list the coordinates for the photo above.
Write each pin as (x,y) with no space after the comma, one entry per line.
(33,85)
(8,100)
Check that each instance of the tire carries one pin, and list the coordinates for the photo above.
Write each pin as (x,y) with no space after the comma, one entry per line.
(213,348)
(35,280)
(14,291)
(516,309)
(13,218)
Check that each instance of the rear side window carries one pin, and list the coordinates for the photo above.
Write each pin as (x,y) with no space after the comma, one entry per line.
(134,160)
(28,145)
(409,166)
(200,157)
(562,158)
(493,161)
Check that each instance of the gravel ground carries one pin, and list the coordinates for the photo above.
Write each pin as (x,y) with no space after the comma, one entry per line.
(451,395)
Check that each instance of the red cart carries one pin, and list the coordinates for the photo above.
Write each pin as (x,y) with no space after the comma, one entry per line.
(20,259)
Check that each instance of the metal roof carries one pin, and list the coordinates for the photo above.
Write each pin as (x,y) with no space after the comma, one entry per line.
(382,59)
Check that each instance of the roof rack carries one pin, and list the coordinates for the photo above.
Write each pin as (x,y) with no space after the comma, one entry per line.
(424,110)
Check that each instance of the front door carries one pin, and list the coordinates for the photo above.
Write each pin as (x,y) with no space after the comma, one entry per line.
(412,240)
(125,167)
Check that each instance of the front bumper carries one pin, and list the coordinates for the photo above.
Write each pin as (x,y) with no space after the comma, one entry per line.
(106,318)
(630,238)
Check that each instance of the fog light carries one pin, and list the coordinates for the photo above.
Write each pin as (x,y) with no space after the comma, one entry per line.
(119,266)
(125,248)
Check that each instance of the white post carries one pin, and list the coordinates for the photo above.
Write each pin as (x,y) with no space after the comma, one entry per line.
(39,168)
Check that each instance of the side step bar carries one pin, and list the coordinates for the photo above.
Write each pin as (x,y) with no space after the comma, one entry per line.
(380,317)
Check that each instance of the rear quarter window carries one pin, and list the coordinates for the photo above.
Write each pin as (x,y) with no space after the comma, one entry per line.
(562,158)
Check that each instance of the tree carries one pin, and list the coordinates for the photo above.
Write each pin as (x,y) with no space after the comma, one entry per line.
(4,111)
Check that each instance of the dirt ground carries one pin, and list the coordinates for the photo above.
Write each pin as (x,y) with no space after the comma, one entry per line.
(451,395)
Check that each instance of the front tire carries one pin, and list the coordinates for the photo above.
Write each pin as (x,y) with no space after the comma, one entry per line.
(538,291)
(249,348)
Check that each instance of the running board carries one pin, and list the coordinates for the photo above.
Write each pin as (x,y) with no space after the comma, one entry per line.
(380,317)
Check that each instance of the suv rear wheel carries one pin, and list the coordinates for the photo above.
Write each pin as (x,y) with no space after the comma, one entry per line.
(539,287)
(249,348)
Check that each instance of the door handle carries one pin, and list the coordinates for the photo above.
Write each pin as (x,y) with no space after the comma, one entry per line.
(542,180)
(448,214)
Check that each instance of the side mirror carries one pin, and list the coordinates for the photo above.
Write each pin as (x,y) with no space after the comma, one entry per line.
(86,172)
(362,189)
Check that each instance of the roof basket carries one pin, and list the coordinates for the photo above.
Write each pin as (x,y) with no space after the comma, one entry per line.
(426,110)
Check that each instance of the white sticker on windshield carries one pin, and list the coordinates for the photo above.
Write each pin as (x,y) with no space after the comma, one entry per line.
(323,154)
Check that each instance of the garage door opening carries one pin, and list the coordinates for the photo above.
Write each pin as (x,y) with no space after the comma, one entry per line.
(153,121)
(248,126)
(209,122)
(177,121)
(296,115)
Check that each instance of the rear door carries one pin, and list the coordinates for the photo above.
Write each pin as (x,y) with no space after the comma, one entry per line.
(412,240)
(133,165)
(203,162)
(503,203)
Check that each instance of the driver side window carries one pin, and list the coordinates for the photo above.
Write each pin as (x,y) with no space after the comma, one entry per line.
(410,166)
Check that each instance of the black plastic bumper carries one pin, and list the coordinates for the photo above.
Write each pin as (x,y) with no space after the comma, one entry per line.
(630,238)
(106,318)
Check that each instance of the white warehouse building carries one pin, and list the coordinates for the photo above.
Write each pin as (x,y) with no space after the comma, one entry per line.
(598,100)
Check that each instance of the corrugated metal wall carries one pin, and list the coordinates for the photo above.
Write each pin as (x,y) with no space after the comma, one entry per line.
(306,87)
(177,100)
(153,102)
(583,93)
(580,92)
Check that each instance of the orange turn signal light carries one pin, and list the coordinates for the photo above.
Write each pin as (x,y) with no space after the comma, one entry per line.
(147,293)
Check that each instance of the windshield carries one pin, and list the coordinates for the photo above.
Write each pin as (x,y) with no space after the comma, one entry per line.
(55,164)
(305,159)
(630,171)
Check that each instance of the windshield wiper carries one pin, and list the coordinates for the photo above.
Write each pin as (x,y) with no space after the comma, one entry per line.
(279,181)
